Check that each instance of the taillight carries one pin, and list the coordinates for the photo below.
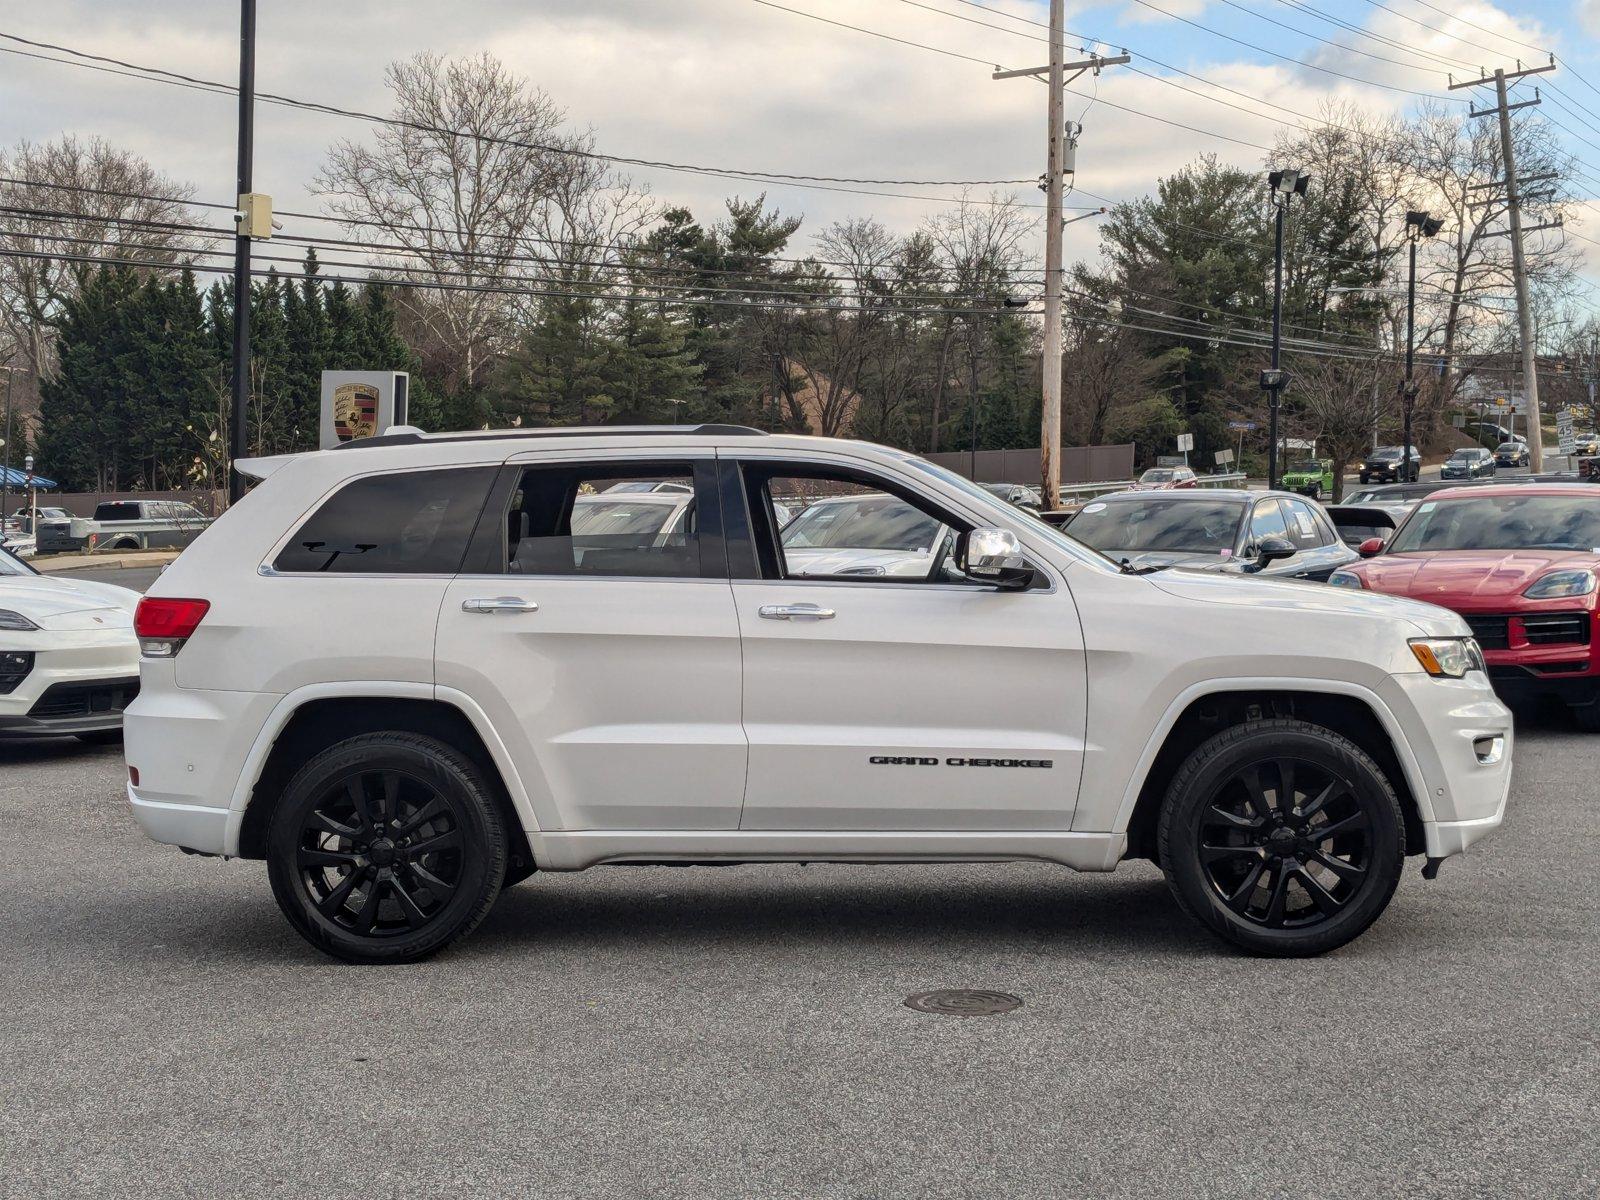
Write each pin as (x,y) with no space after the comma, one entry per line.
(163,624)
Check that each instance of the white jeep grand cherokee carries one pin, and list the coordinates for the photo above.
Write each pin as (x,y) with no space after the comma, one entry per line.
(399,675)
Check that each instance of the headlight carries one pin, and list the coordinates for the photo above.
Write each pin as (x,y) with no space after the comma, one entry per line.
(1346,579)
(14,620)
(1448,658)
(1578,582)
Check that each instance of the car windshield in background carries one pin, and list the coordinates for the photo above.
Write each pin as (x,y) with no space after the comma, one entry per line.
(1463,456)
(1387,452)
(612,518)
(867,523)
(1509,448)
(10,564)
(1182,527)
(1306,468)
(1503,523)
(1157,476)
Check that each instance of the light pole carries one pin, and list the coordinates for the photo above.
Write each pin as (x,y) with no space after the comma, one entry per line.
(239,433)
(1419,225)
(1284,184)
(5,477)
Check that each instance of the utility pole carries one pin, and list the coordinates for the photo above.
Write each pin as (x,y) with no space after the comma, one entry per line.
(238,427)
(5,478)
(1519,272)
(1283,185)
(1056,168)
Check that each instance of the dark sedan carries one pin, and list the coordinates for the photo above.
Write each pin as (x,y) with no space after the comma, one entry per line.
(1266,533)
(1470,462)
(1511,454)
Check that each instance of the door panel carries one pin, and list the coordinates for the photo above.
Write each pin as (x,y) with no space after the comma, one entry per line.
(605,646)
(952,678)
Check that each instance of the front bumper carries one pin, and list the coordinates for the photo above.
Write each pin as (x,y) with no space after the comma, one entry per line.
(1454,724)
(80,683)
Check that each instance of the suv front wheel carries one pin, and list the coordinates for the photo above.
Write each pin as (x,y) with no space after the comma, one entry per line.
(385,848)
(1283,837)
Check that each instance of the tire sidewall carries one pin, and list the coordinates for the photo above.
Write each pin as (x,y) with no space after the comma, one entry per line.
(483,851)
(1219,758)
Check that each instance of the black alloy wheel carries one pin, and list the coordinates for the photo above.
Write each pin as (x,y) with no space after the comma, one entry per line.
(386,847)
(1283,837)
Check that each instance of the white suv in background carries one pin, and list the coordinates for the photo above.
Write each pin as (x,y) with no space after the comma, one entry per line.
(404,675)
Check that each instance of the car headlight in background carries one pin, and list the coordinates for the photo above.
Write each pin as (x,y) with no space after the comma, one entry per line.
(14,620)
(1448,658)
(1576,582)
(1346,579)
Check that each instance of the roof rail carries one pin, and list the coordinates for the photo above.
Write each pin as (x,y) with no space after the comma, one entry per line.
(486,435)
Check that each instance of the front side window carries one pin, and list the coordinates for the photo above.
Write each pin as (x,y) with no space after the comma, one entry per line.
(404,523)
(598,519)
(833,526)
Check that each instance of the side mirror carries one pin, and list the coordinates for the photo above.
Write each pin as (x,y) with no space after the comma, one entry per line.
(1370,547)
(1270,549)
(994,556)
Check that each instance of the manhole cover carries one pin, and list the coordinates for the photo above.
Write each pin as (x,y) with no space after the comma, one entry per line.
(964,1002)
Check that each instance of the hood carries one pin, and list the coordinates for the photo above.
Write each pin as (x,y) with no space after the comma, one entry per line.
(1258,592)
(67,603)
(821,561)
(1466,576)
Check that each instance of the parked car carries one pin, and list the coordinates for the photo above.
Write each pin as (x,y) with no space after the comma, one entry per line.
(357,686)
(864,534)
(51,528)
(1226,530)
(1470,462)
(1311,477)
(1512,454)
(1491,434)
(1019,494)
(1360,523)
(69,662)
(1586,443)
(139,525)
(1160,479)
(1520,564)
(1391,464)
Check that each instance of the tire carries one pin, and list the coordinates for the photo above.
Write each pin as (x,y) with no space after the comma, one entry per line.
(1363,479)
(101,737)
(1316,491)
(1250,871)
(344,857)
(1587,717)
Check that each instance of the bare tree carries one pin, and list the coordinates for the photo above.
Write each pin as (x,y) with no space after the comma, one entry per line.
(77,199)
(458,187)
(1341,401)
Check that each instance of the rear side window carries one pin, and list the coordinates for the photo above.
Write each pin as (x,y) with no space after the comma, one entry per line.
(619,519)
(406,523)
(117,511)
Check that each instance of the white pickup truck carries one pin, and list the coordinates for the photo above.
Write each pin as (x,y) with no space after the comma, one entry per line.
(136,525)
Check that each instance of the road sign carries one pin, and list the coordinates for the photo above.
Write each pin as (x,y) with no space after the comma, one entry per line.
(1242,426)
(1185,442)
(1224,457)
(1568,443)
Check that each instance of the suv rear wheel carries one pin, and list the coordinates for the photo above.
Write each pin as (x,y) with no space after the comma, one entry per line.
(1283,837)
(385,848)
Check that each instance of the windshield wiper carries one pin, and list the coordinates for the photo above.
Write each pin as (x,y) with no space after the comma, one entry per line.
(1128,569)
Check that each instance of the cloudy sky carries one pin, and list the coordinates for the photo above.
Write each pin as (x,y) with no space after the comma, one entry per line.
(746,84)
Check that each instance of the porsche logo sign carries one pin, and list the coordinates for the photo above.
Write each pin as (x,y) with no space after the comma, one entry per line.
(355,411)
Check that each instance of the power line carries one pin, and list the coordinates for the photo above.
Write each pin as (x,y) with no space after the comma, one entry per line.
(1327,41)
(1311,66)
(754,175)
(1481,29)
(1447,33)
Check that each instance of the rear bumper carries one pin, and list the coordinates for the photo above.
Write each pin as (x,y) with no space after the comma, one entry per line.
(196,826)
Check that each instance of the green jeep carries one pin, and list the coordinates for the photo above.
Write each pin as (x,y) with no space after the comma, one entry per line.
(1313,477)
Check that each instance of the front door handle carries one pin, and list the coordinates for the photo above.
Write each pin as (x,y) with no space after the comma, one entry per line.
(792,612)
(507,605)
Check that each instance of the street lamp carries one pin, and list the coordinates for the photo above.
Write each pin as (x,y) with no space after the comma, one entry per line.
(1284,185)
(1419,225)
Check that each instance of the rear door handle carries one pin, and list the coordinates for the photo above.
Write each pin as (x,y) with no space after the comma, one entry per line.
(507,605)
(792,612)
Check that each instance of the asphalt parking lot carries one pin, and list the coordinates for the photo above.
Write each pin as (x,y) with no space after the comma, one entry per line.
(742,1032)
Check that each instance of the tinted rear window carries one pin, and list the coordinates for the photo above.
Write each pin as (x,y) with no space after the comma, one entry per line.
(125,511)
(407,523)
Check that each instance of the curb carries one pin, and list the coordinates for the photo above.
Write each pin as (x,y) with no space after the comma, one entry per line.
(69,562)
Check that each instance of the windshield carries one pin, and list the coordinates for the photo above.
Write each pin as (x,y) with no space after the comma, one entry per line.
(878,522)
(1195,527)
(1385,453)
(1504,523)
(10,564)
(1463,456)
(1510,447)
(1158,476)
(612,518)
(1306,468)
